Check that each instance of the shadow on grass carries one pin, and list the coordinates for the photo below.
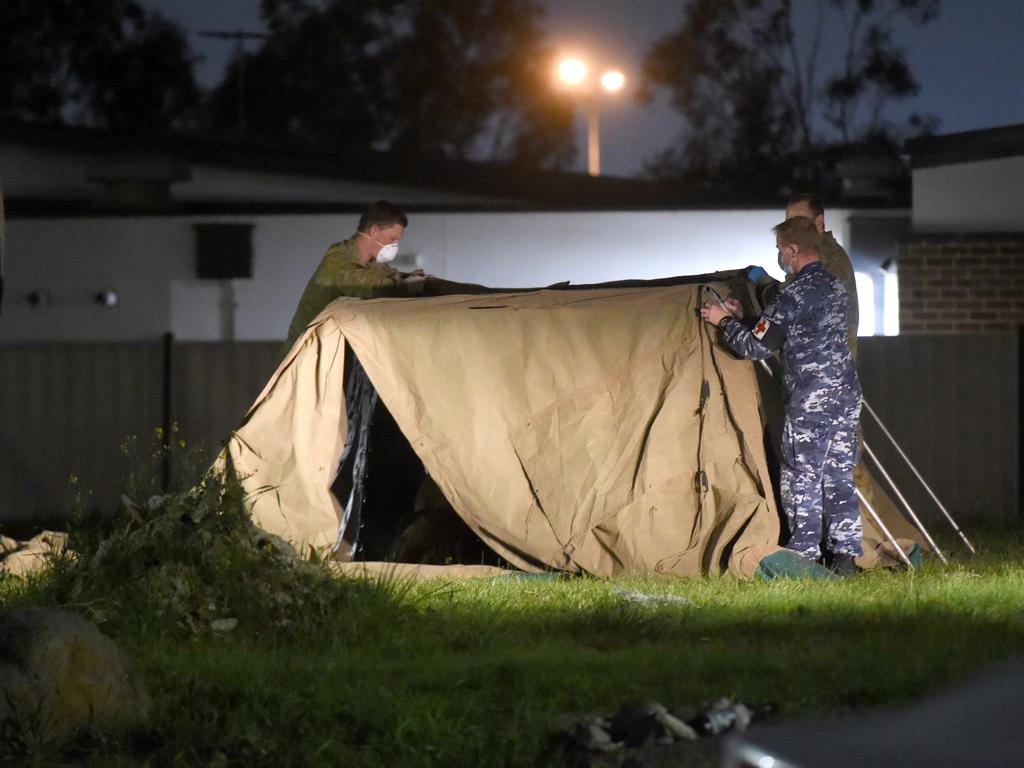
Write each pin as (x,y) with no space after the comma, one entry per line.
(384,672)
(473,675)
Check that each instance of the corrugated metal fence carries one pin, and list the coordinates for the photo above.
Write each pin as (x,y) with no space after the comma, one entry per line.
(952,401)
(67,409)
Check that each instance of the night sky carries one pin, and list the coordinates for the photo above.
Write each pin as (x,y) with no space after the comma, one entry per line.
(970,62)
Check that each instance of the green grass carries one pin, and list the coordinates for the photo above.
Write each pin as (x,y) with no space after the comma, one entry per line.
(323,671)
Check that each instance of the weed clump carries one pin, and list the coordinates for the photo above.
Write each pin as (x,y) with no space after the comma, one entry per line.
(190,563)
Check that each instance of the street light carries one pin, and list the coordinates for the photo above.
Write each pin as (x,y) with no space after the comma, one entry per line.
(613,80)
(572,72)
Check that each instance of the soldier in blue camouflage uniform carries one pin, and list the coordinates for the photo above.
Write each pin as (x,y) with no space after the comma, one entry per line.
(808,323)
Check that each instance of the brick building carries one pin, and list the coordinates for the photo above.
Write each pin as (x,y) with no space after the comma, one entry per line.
(961,270)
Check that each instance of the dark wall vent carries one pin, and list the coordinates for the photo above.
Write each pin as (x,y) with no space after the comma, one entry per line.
(223,251)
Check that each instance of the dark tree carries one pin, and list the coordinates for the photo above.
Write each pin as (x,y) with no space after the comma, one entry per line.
(104,63)
(451,78)
(474,78)
(761,109)
(319,77)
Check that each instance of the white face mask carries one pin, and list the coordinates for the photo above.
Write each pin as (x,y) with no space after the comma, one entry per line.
(387,253)
(787,268)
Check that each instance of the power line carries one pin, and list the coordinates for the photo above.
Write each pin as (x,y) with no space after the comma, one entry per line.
(240,37)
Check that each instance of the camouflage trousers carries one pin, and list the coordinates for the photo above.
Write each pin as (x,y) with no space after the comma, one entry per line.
(819,452)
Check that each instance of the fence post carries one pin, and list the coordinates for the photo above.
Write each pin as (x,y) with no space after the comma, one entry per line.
(168,359)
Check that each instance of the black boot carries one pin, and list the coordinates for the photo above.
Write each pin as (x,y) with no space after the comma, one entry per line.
(843,564)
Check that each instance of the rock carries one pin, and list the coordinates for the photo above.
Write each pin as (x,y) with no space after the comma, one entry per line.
(59,676)
(223,625)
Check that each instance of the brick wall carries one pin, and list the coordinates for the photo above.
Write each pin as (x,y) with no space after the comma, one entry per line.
(961,283)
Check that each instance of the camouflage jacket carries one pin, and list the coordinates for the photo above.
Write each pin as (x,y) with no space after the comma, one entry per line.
(342,273)
(838,263)
(807,322)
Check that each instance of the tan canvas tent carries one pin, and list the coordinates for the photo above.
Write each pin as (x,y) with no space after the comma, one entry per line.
(601,430)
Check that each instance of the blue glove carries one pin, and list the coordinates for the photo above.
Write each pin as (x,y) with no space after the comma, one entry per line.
(755,273)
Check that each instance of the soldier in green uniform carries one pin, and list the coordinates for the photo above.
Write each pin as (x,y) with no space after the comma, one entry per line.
(833,257)
(358,267)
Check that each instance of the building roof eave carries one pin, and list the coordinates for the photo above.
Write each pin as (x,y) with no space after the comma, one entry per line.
(966,146)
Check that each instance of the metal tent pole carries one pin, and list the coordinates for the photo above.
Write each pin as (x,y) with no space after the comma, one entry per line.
(871,510)
(917,474)
(882,528)
(906,504)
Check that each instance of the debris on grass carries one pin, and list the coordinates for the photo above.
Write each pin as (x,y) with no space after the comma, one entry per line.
(19,558)
(649,600)
(647,733)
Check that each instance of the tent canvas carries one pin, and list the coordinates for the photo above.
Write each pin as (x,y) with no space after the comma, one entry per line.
(601,430)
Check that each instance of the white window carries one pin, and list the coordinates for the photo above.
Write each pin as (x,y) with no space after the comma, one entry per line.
(891,302)
(865,303)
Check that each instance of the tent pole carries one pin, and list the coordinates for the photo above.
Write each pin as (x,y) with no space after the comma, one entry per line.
(917,474)
(867,505)
(906,504)
(883,529)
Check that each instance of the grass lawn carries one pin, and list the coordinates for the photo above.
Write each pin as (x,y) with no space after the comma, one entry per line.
(381,673)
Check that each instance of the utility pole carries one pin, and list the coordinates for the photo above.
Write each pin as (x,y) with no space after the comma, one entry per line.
(239,36)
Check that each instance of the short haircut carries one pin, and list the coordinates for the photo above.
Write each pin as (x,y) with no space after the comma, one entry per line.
(383,214)
(799,231)
(813,202)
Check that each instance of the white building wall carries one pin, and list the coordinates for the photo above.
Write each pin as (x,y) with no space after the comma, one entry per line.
(150,263)
(982,196)
(70,260)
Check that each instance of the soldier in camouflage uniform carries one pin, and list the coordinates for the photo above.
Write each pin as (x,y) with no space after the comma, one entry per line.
(832,256)
(807,322)
(358,267)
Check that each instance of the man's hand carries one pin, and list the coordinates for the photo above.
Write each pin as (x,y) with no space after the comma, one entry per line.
(713,313)
(414,282)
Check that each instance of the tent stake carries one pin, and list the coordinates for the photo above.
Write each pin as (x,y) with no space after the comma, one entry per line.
(906,504)
(917,474)
(883,529)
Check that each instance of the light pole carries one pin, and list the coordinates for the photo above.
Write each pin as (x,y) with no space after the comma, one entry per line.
(572,74)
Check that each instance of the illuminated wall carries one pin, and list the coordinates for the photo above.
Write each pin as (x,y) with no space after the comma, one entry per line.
(150,263)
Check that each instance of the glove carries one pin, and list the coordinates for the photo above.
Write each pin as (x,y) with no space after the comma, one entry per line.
(755,273)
